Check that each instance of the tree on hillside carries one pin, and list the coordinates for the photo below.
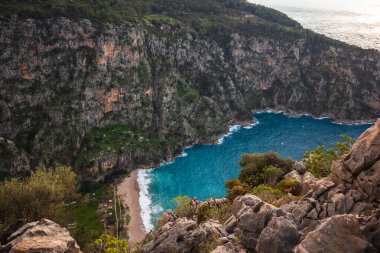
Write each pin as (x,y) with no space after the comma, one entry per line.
(45,194)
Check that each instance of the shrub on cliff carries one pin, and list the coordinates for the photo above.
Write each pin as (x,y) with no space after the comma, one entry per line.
(110,244)
(319,161)
(183,207)
(236,188)
(290,186)
(220,213)
(258,168)
(45,194)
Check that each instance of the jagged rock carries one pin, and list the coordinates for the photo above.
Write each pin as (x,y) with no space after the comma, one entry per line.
(230,224)
(372,232)
(321,186)
(294,175)
(182,236)
(299,209)
(340,233)
(299,167)
(364,153)
(247,200)
(253,220)
(369,181)
(279,236)
(41,236)
(365,150)
(308,182)
(230,244)
(213,202)
(361,208)
(337,205)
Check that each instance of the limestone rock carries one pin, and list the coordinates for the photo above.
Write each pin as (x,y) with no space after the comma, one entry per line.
(308,182)
(41,236)
(372,232)
(340,233)
(365,150)
(244,201)
(280,236)
(364,154)
(253,221)
(182,236)
(369,181)
(298,210)
(230,244)
(294,175)
(230,224)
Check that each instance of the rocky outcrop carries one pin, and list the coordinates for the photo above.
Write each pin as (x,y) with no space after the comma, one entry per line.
(183,235)
(340,213)
(61,78)
(340,233)
(41,236)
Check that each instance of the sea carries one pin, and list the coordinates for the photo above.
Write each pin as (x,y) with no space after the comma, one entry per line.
(355,22)
(202,170)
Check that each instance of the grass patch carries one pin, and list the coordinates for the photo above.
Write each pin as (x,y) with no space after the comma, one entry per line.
(88,226)
(113,139)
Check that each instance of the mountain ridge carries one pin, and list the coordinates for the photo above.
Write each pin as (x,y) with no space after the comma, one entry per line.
(171,83)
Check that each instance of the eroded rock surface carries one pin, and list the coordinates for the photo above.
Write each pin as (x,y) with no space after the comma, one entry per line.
(41,236)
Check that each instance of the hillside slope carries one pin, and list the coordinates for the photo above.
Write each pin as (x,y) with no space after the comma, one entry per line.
(108,94)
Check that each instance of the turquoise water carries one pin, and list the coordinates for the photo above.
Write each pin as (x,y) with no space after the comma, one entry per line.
(203,169)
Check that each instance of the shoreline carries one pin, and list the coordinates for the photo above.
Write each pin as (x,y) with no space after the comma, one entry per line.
(291,113)
(130,193)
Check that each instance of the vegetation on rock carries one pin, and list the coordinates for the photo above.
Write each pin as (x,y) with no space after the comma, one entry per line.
(319,161)
(109,244)
(256,169)
(104,142)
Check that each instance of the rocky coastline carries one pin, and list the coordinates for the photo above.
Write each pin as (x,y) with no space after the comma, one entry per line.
(81,78)
(339,213)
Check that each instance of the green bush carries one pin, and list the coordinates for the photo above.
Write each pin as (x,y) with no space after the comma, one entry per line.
(110,244)
(292,186)
(220,213)
(183,207)
(319,161)
(271,175)
(45,194)
(236,188)
(267,193)
(257,167)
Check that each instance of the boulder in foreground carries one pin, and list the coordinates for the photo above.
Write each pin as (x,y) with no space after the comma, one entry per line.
(41,236)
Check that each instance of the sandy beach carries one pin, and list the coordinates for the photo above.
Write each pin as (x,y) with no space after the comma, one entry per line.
(129,190)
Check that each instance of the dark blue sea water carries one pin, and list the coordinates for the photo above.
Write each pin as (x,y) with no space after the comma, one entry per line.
(203,169)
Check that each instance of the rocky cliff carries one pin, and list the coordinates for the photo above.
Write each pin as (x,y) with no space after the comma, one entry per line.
(70,89)
(340,213)
(41,236)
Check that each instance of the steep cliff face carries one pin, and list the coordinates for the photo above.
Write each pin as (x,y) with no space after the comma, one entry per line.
(171,87)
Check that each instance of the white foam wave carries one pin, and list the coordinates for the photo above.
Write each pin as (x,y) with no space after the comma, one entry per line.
(144,179)
(232,129)
(251,125)
(184,154)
